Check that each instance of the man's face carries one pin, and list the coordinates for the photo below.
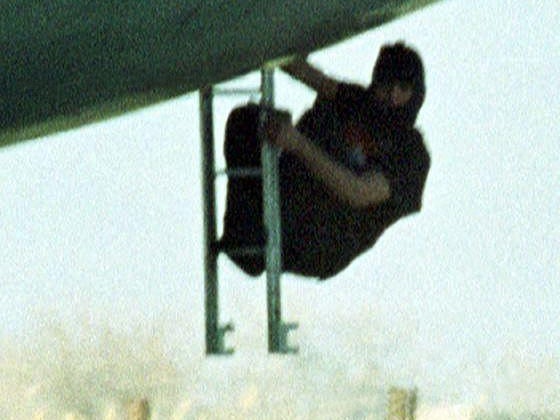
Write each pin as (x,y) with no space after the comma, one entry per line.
(394,94)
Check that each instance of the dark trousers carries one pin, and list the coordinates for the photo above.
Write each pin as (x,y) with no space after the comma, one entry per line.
(243,219)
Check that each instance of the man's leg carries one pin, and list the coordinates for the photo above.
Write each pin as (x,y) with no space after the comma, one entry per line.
(242,145)
(243,219)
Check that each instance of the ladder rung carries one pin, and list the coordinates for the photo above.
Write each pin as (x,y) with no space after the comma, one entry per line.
(241,172)
(236,91)
(243,251)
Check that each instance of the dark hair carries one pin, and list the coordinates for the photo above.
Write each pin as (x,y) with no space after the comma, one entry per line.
(398,63)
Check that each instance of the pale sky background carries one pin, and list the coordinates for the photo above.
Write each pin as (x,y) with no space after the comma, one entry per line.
(102,236)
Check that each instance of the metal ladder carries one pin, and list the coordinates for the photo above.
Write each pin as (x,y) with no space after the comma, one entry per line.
(277,329)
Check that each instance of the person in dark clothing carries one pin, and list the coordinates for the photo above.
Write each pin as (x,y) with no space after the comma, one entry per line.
(353,165)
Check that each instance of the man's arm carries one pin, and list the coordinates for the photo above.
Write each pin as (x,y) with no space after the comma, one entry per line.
(301,70)
(358,191)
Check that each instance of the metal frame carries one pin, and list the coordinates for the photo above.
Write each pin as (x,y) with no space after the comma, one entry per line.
(277,329)
(214,332)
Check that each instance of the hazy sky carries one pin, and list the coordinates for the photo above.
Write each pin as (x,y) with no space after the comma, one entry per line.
(104,225)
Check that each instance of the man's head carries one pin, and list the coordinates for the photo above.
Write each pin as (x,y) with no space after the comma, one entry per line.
(398,80)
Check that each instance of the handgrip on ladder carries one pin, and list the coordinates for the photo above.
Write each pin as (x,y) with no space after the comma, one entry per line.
(285,328)
(221,333)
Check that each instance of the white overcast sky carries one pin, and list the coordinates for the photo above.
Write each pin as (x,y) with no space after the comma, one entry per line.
(103,225)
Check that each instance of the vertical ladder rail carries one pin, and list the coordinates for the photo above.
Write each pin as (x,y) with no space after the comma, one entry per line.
(214,332)
(277,329)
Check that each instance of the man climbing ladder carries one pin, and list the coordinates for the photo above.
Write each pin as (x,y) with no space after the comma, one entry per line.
(352,166)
